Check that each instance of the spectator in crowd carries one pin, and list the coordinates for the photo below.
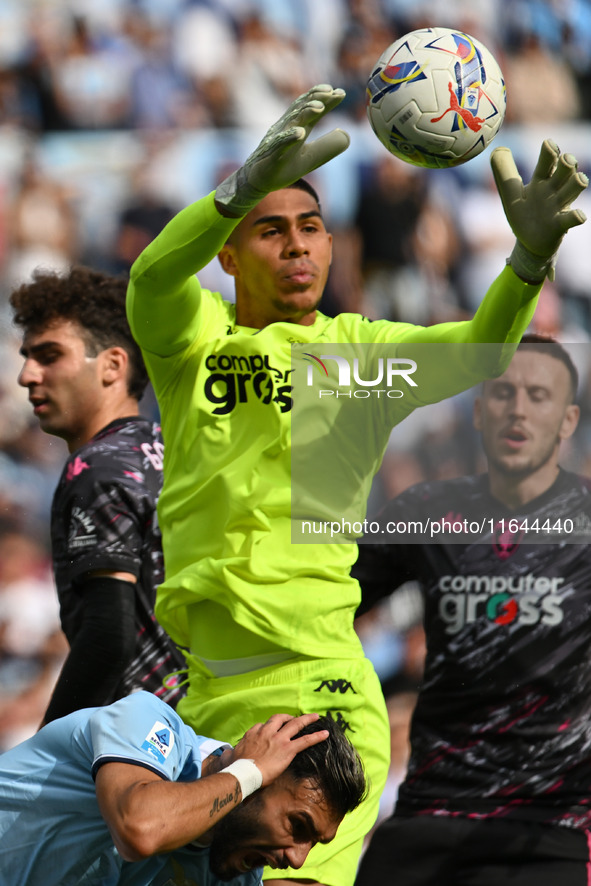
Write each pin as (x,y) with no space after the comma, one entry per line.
(41,222)
(32,645)
(388,210)
(271,73)
(484,236)
(91,79)
(541,86)
(161,95)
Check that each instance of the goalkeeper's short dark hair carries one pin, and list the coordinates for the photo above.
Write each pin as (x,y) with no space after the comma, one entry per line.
(302,185)
(95,301)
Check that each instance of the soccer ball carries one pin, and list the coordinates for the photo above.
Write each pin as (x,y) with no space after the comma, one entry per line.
(436,97)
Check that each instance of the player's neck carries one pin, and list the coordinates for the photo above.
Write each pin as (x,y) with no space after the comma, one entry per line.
(127,408)
(253,319)
(514,491)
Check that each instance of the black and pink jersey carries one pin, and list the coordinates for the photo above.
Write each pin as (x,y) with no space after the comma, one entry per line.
(502,726)
(104,518)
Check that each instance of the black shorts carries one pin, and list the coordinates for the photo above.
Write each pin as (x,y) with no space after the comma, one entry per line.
(432,851)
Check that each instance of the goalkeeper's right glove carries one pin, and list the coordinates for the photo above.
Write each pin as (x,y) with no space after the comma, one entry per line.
(539,213)
(283,156)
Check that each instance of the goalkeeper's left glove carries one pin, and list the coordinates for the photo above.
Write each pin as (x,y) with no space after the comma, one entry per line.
(283,156)
(539,213)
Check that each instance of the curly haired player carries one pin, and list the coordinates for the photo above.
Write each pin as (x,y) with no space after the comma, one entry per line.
(85,376)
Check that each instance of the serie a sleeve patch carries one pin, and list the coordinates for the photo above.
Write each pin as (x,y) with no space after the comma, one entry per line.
(159,741)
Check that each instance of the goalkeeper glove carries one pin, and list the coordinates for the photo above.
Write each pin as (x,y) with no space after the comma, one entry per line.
(539,213)
(283,156)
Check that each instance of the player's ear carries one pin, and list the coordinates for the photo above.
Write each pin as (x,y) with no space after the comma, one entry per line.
(570,421)
(114,364)
(227,259)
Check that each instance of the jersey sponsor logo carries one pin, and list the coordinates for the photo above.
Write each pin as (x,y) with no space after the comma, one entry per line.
(237,378)
(82,532)
(341,686)
(159,741)
(501,599)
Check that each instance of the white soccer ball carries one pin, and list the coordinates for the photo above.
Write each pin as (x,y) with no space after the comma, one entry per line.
(436,97)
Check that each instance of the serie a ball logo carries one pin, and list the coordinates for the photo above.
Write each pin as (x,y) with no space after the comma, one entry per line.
(436,97)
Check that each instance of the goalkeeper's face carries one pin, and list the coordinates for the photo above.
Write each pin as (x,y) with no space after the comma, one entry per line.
(275,827)
(279,256)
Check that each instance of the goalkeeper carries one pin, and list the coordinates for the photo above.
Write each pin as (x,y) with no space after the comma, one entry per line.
(270,624)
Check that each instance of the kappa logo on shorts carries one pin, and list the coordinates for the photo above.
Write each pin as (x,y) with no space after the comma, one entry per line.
(341,686)
(343,724)
(159,741)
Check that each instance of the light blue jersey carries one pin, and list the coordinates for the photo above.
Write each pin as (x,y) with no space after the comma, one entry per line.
(51,830)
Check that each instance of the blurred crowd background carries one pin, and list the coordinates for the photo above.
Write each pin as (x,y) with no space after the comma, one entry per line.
(114,115)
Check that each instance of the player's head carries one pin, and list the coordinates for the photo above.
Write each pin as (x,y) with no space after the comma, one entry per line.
(333,766)
(279,824)
(525,414)
(533,343)
(279,256)
(79,353)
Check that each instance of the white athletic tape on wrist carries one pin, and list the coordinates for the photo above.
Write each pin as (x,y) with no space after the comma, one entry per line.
(248,774)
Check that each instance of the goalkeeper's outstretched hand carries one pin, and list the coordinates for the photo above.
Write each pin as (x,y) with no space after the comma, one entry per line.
(539,213)
(284,155)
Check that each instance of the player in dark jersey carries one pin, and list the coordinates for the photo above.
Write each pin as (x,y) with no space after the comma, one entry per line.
(85,377)
(498,788)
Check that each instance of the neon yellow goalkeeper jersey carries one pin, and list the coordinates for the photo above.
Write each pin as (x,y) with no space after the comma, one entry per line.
(225,396)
